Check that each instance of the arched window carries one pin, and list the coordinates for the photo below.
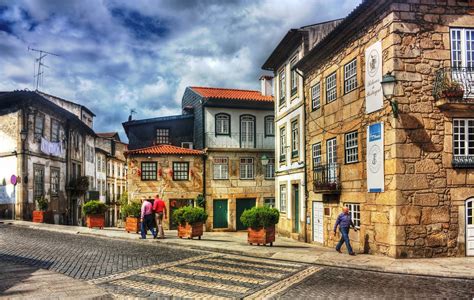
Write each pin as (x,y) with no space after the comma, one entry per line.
(269,126)
(222,124)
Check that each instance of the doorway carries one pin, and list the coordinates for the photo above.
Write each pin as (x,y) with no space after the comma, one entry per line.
(318,213)
(174,205)
(220,210)
(296,208)
(242,205)
(470,227)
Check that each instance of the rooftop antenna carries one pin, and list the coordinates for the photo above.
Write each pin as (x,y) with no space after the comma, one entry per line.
(132,112)
(39,72)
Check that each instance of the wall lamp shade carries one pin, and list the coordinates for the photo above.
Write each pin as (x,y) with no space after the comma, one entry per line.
(264,159)
(23,135)
(388,87)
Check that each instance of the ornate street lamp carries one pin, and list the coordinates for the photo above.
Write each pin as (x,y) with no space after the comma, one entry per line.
(23,135)
(264,159)
(388,86)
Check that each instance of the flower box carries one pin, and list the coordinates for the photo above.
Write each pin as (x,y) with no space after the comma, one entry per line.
(132,224)
(95,221)
(190,230)
(40,216)
(261,236)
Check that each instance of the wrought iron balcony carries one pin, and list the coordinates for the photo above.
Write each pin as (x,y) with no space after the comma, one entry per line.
(454,88)
(326,179)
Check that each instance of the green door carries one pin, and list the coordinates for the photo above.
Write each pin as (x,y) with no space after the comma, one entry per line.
(220,214)
(242,205)
(296,201)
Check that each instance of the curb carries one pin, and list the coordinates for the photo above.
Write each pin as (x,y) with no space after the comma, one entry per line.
(334,264)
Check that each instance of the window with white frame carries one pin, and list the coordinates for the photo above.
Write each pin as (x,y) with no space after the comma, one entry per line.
(283,198)
(270,202)
(55,181)
(331,92)
(180,171)
(222,124)
(350,76)
(352,147)
(162,136)
(462,48)
(316,96)
(221,168)
(39,125)
(38,181)
(282,86)
(148,171)
(269,126)
(270,169)
(246,168)
(54,130)
(295,138)
(463,142)
(354,210)
(316,151)
(293,77)
(282,144)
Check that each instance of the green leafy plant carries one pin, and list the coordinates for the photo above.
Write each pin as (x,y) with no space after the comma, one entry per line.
(94,207)
(42,203)
(189,214)
(200,201)
(132,209)
(78,186)
(258,217)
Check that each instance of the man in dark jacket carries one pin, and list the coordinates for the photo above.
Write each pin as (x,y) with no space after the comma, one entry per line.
(344,221)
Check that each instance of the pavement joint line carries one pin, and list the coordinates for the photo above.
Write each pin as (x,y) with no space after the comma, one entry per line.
(150,268)
(223,276)
(242,271)
(249,263)
(282,285)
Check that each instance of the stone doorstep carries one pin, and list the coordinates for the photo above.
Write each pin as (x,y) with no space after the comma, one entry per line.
(328,258)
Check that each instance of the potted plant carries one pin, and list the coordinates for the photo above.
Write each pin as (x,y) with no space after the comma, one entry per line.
(453,90)
(131,212)
(260,222)
(190,221)
(78,186)
(95,213)
(41,215)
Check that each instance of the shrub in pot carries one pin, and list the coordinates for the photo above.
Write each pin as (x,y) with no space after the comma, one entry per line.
(260,222)
(453,90)
(41,215)
(131,212)
(190,221)
(95,213)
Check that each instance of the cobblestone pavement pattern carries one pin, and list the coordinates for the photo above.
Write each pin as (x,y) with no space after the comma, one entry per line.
(137,269)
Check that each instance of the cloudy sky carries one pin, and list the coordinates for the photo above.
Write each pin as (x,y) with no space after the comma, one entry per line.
(121,55)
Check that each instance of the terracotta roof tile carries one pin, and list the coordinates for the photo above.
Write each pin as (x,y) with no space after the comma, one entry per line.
(221,93)
(165,150)
(106,134)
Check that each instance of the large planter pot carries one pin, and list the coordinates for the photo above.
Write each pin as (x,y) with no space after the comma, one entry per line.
(40,216)
(132,224)
(261,236)
(190,230)
(95,221)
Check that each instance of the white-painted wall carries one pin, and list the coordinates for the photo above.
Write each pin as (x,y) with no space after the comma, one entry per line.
(289,180)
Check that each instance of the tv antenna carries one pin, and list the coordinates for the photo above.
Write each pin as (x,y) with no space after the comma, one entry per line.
(39,72)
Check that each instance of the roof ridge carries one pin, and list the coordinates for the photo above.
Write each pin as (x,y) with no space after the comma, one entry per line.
(230,89)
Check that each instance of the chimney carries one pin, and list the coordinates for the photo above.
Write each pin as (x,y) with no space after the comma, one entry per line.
(266,85)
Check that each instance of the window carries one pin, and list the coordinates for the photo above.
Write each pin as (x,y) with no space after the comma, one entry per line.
(462,48)
(282,144)
(162,136)
(180,171)
(54,130)
(270,169)
(316,96)
(39,125)
(269,126)
(221,168)
(293,77)
(247,131)
(149,171)
(354,210)
(270,202)
(331,93)
(222,124)
(281,85)
(55,181)
(38,187)
(316,151)
(350,76)
(188,145)
(352,148)
(294,139)
(331,159)
(283,198)
(246,168)
(463,142)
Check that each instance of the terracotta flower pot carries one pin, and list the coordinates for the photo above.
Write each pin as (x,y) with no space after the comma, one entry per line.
(190,230)
(40,216)
(132,224)
(95,221)
(261,236)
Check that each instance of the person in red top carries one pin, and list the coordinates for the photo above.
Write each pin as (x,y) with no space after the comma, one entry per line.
(159,208)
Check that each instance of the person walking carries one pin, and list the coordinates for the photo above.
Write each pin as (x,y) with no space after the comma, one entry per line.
(146,219)
(159,207)
(344,221)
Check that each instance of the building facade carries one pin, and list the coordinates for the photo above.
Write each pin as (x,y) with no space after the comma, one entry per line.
(404,166)
(289,125)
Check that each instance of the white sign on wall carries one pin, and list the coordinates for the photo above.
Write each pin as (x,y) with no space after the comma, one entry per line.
(375,157)
(373,77)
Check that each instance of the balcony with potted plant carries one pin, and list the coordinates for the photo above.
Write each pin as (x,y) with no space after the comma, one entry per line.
(190,221)
(260,222)
(94,211)
(454,89)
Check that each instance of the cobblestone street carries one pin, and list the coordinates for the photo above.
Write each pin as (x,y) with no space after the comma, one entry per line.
(144,269)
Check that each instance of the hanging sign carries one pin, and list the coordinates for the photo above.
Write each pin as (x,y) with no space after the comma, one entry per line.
(375,157)
(373,77)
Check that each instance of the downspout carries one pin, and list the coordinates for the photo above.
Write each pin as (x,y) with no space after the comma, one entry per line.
(205,156)
(68,194)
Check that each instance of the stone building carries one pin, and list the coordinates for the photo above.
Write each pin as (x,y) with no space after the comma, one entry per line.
(235,128)
(409,183)
(289,124)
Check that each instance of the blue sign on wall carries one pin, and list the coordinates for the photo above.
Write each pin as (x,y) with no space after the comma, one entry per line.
(375,132)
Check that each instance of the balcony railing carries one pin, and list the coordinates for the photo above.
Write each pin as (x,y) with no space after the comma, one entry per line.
(454,85)
(327,178)
(236,140)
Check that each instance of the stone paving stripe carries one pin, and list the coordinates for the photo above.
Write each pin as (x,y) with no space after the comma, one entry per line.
(254,265)
(164,290)
(197,282)
(237,270)
(219,275)
(278,287)
(151,268)
(264,261)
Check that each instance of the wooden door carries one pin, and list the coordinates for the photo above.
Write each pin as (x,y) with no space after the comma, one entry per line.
(242,205)
(220,214)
